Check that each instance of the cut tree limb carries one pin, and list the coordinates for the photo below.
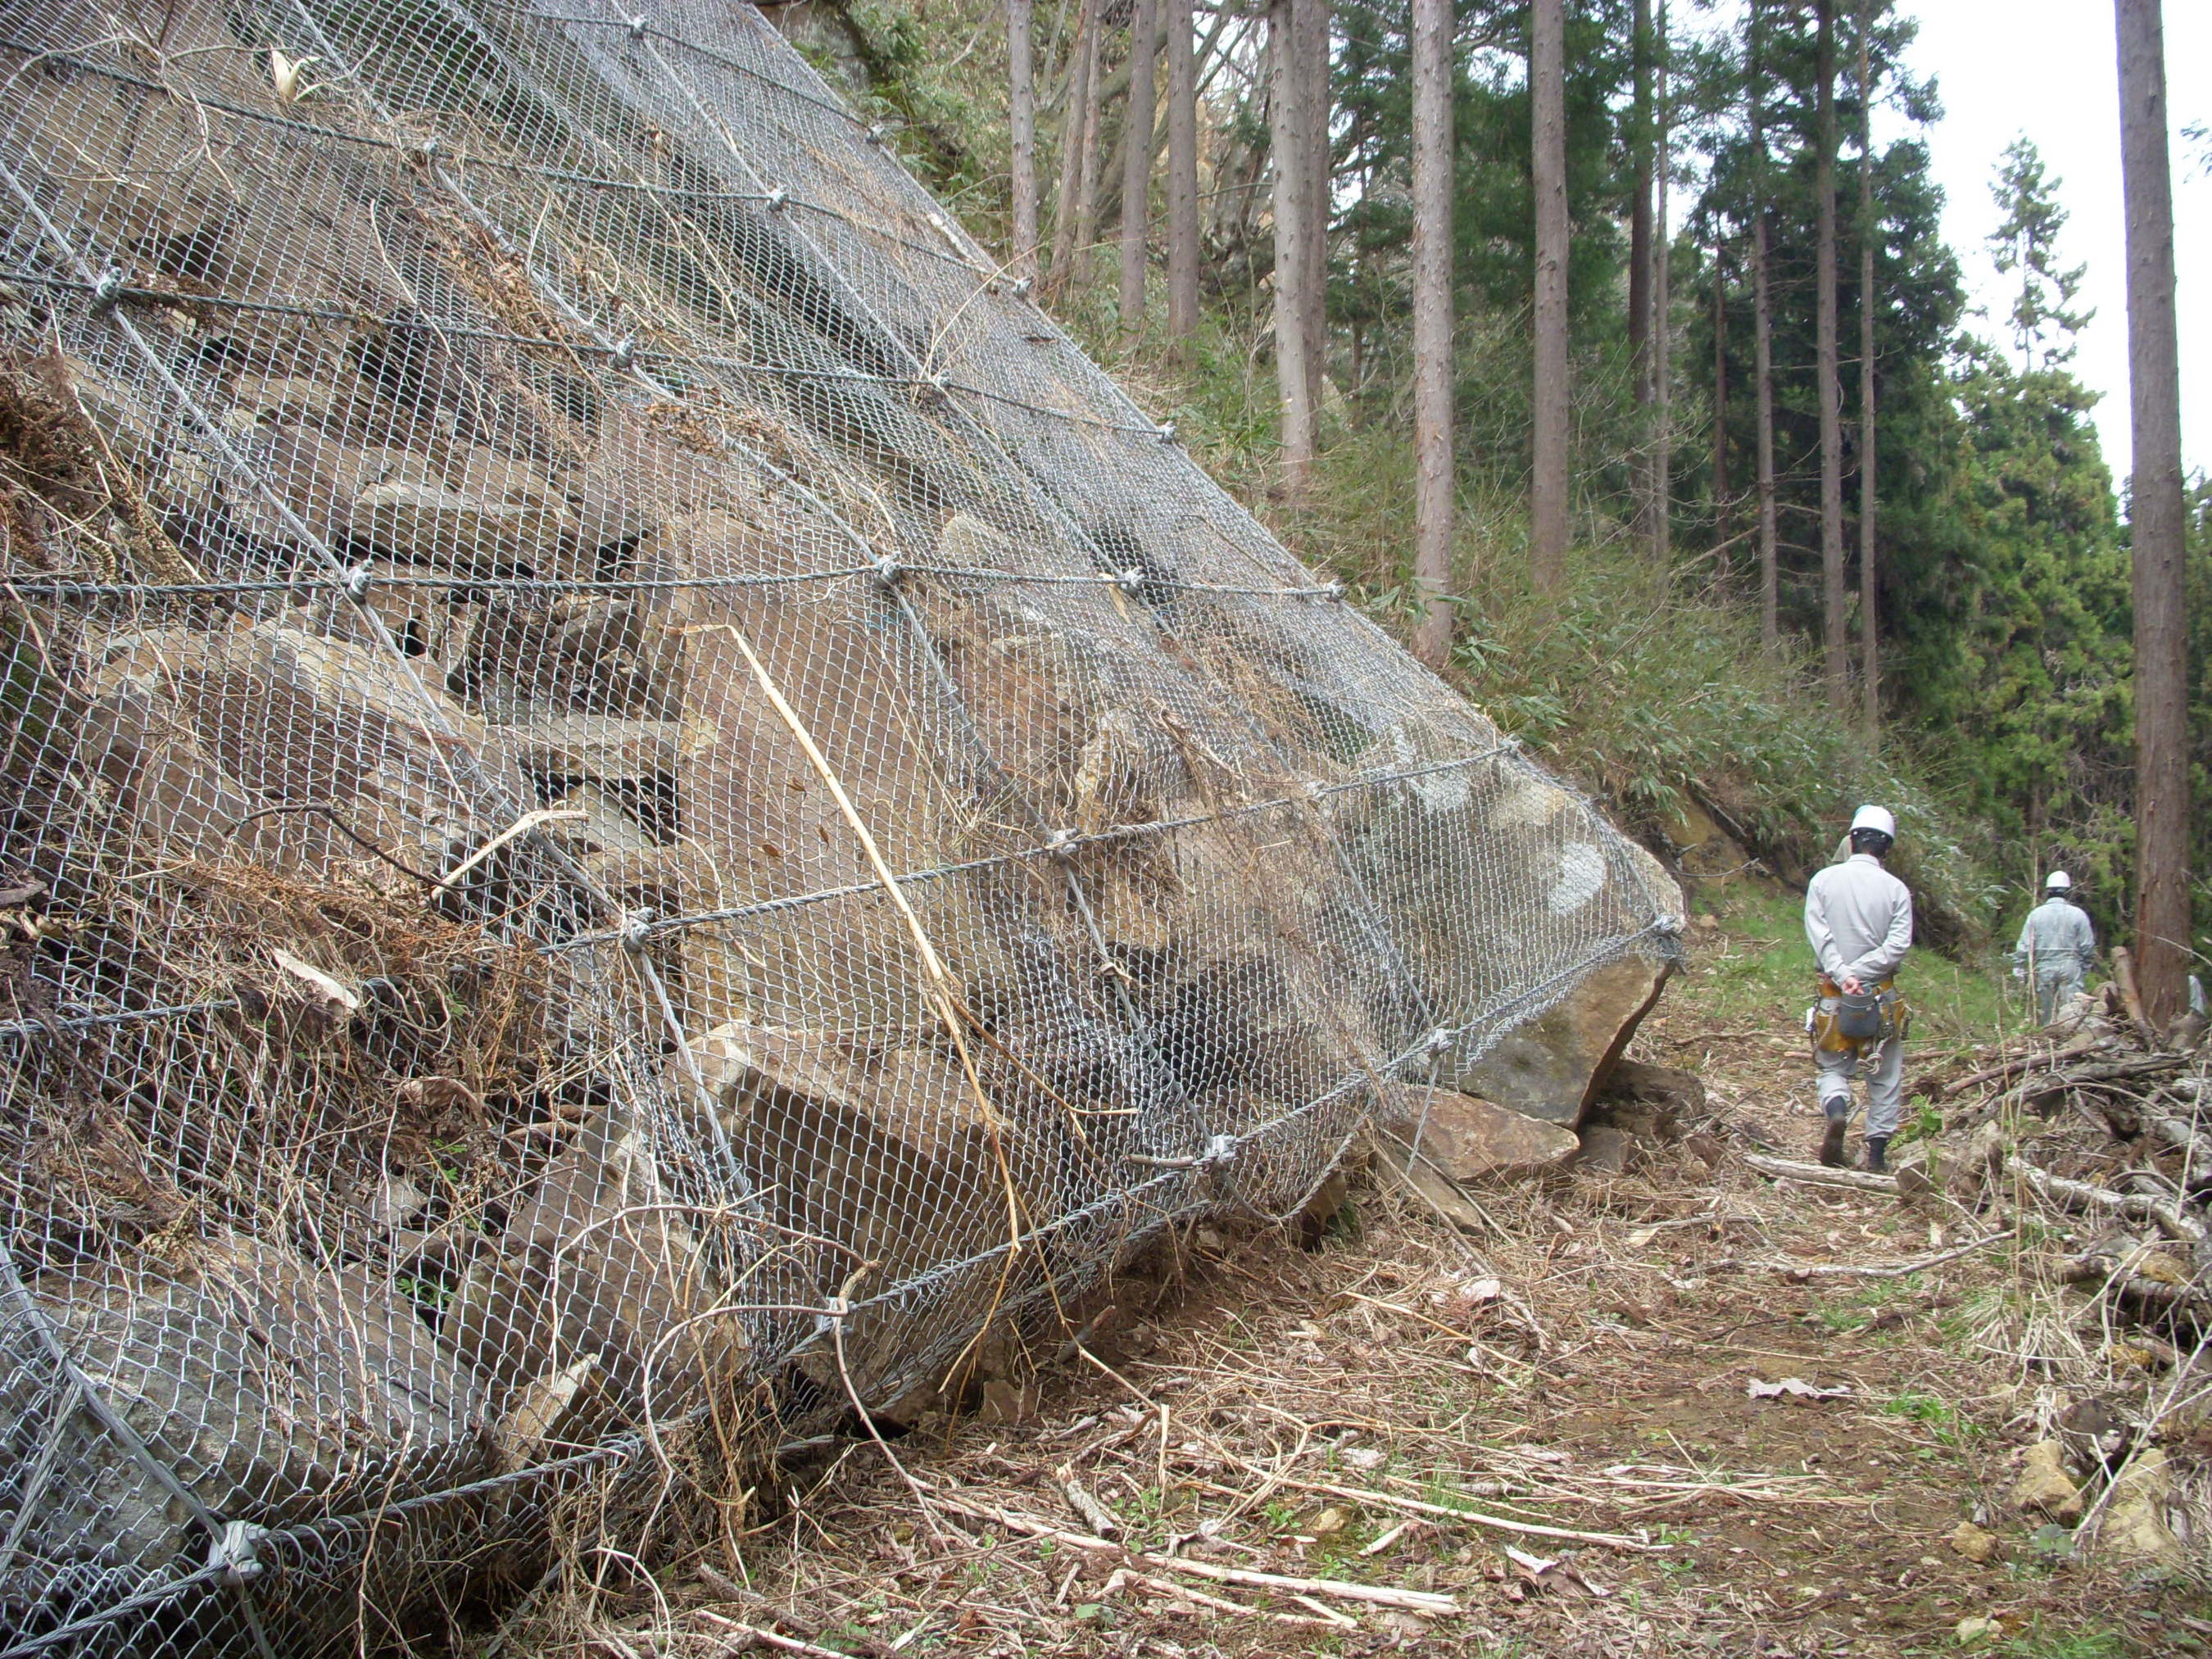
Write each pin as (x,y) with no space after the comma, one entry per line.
(2081,1195)
(1856,1270)
(1820,1174)
(1426,1602)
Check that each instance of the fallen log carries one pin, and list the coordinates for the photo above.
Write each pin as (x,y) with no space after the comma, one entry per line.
(2065,1194)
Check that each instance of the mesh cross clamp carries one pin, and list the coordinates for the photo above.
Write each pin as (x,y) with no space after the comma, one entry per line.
(1131,580)
(106,290)
(622,354)
(356,582)
(231,1552)
(887,569)
(637,932)
(777,196)
(1440,1041)
(637,26)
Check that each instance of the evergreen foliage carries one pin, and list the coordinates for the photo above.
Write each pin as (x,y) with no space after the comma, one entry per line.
(2004,604)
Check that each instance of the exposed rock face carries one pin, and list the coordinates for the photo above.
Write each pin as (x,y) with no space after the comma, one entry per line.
(1554,1067)
(1468,1138)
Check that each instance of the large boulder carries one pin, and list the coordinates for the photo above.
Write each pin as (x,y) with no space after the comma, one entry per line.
(1557,1063)
(267,1387)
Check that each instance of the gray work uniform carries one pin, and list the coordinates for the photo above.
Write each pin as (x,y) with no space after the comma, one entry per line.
(1858,919)
(2055,946)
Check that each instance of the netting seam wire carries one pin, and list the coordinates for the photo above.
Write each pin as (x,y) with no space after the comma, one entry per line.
(64,587)
(1051,849)
(417,153)
(122,1017)
(1197,477)
(1378,934)
(473,769)
(152,1595)
(986,436)
(629,24)
(1611,951)
(13,1289)
(445,328)
(298,1539)
(482,790)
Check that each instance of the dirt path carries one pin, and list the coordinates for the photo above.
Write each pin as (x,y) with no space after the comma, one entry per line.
(1333,1414)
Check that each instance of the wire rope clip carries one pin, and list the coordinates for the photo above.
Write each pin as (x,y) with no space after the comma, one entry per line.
(834,1311)
(887,569)
(426,152)
(356,582)
(875,134)
(637,932)
(1325,590)
(776,197)
(1440,1041)
(231,1553)
(1061,843)
(622,354)
(1167,432)
(1023,287)
(1212,1165)
(106,290)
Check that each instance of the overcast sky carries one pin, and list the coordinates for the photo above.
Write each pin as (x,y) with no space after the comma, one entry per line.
(2049,68)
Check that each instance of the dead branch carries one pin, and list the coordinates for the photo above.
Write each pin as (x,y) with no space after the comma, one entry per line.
(1820,1174)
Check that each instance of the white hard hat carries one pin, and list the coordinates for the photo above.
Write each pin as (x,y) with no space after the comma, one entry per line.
(2058,881)
(1876,817)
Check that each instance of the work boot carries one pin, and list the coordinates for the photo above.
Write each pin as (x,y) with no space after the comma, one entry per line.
(1831,1140)
(1877,1150)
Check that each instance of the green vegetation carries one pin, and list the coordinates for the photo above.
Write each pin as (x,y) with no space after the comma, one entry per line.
(2003,605)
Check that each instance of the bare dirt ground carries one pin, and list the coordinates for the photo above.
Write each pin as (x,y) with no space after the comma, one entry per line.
(1360,1446)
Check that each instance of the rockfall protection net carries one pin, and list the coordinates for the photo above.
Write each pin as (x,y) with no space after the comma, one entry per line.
(633,802)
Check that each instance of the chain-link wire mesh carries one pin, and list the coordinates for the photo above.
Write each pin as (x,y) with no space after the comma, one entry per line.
(632,799)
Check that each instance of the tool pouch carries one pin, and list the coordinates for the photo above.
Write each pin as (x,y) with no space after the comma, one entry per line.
(1859,1018)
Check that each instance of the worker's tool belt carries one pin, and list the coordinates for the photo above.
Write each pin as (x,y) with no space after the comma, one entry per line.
(1850,1024)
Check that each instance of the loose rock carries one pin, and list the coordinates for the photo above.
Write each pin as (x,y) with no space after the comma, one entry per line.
(1467,1137)
(2044,1486)
(1971,1541)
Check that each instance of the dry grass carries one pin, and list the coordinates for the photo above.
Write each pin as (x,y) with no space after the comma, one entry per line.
(1363,1415)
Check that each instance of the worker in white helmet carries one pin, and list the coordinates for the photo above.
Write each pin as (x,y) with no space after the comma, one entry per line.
(2055,946)
(1858,919)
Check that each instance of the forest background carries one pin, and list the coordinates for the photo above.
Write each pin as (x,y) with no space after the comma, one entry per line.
(1939,619)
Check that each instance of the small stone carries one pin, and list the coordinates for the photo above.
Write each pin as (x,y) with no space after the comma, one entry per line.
(1971,1541)
(1330,1521)
(2045,1485)
(1971,1632)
